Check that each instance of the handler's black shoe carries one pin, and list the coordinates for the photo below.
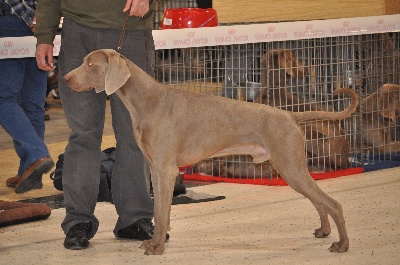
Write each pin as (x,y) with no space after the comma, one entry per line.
(77,236)
(142,229)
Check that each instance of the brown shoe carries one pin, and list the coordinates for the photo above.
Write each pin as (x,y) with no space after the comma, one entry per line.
(33,174)
(13,181)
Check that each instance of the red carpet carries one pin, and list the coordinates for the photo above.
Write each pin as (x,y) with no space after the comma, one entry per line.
(276,181)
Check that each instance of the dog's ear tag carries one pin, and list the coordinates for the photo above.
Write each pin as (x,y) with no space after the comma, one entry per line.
(117,74)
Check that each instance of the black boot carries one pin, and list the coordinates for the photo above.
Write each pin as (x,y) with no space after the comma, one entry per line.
(142,229)
(77,236)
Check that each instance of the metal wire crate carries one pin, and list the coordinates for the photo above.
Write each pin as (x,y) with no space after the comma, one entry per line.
(299,75)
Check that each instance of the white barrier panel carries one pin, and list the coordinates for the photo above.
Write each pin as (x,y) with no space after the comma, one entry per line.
(268,32)
(235,34)
(19,47)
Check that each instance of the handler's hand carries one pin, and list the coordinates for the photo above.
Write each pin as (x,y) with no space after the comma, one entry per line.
(137,8)
(32,26)
(44,56)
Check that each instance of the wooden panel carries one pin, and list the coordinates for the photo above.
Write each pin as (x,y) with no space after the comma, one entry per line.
(392,7)
(268,10)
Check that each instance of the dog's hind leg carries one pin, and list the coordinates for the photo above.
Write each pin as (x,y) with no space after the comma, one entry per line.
(298,177)
(325,228)
(163,180)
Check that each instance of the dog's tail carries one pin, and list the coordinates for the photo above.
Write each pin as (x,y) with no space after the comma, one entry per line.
(326,115)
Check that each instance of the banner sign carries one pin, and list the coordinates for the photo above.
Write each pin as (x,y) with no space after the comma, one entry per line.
(269,32)
(18,47)
(236,34)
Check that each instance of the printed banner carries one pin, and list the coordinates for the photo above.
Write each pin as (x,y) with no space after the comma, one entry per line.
(268,32)
(19,47)
(236,34)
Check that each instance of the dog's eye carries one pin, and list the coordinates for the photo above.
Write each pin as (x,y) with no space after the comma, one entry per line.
(90,64)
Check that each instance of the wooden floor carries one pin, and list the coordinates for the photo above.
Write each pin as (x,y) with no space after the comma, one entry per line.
(255,224)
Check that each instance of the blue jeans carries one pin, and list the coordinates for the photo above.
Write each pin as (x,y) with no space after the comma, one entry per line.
(22,99)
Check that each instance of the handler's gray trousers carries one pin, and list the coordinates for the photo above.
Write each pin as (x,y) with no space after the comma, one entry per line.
(85,113)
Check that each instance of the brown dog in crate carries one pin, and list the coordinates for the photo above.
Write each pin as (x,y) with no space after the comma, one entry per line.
(236,166)
(326,142)
(380,111)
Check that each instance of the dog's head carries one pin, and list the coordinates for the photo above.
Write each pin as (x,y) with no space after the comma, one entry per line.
(389,101)
(102,69)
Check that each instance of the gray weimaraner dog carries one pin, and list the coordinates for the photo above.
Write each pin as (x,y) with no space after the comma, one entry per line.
(175,128)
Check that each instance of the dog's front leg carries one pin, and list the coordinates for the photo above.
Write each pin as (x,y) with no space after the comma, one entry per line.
(163,180)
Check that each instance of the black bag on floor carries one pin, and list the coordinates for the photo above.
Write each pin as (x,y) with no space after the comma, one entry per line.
(107,164)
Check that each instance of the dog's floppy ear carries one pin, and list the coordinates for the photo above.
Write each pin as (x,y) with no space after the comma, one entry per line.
(292,66)
(117,73)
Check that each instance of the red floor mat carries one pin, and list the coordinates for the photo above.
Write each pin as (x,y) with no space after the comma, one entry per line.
(274,181)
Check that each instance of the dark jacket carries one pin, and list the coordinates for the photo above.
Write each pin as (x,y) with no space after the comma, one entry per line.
(104,14)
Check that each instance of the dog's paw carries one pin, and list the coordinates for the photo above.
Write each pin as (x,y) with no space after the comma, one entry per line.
(321,233)
(339,247)
(151,248)
(145,244)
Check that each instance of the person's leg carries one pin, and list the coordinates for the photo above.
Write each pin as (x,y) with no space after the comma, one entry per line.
(29,145)
(33,96)
(85,115)
(130,179)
